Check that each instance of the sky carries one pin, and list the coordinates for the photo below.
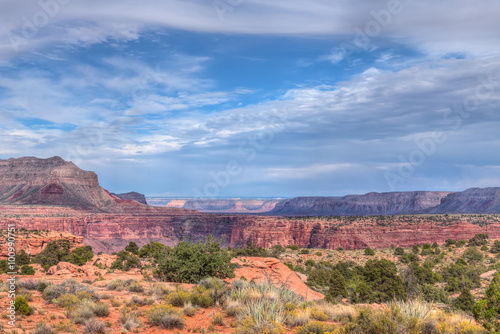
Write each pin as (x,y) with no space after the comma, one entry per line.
(254,98)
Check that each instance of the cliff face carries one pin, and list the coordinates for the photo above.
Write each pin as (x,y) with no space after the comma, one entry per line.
(474,200)
(110,232)
(359,205)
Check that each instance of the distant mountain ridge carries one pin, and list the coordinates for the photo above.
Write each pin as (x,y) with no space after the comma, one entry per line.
(474,200)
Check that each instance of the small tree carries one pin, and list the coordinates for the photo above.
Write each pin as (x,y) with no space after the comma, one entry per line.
(369,251)
(132,248)
(487,310)
(415,249)
(22,258)
(337,287)
(465,301)
(189,262)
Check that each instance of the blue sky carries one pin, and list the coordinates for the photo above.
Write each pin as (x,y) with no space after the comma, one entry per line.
(254,98)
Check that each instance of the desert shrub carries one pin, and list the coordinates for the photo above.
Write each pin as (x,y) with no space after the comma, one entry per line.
(435,294)
(318,314)
(298,317)
(42,328)
(4,266)
(232,307)
(27,284)
(472,255)
(179,297)
(251,325)
(190,262)
(451,323)
(189,309)
(304,251)
(27,270)
(116,284)
(42,284)
(129,320)
(310,263)
(217,319)
(338,312)
(449,242)
(132,248)
(82,312)
(399,251)
(369,251)
(293,247)
(250,249)
(67,300)
(479,239)
(136,287)
(202,297)
(315,327)
(165,316)
(216,288)
(461,243)
(21,305)
(101,310)
(93,326)
(319,254)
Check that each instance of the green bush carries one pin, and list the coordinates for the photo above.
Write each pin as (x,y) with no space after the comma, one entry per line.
(369,251)
(150,249)
(473,255)
(21,306)
(399,251)
(293,247)
(125,261)
(304,251)
(190,262)
(495,249)
(22,258)
(465,301)
(27,270)
(479,239)
(79,256)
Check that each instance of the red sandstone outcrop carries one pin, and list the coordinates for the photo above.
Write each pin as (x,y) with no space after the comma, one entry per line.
(268,268)
(34,243)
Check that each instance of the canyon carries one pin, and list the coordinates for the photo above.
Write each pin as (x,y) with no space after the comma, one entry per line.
(55,195)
